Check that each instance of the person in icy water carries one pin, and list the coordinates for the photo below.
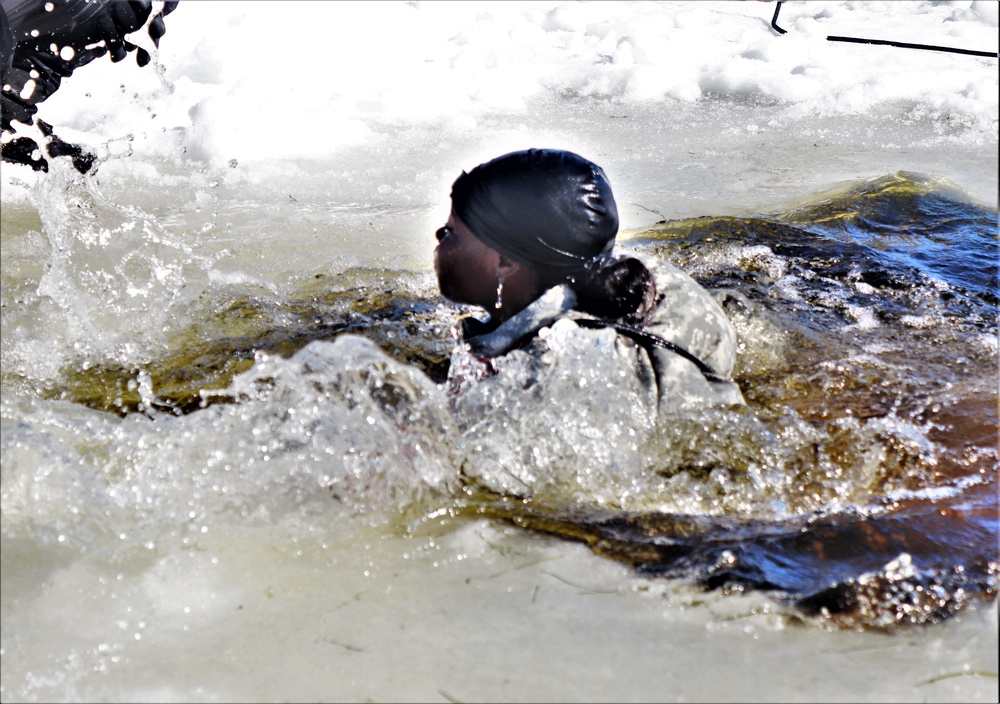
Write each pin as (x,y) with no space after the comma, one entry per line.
(530,239)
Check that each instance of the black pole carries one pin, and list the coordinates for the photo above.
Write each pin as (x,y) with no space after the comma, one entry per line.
(774,20)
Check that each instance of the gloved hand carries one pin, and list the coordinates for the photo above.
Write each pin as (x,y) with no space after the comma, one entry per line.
(27,32)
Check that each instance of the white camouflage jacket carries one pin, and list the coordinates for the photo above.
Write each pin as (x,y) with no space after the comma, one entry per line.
(682,359)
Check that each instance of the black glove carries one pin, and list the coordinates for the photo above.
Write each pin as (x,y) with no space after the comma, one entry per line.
(27,31)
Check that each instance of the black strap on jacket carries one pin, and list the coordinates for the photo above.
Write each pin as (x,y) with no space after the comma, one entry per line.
(648,339)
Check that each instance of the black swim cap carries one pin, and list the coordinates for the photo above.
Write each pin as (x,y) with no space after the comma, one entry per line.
(543,207)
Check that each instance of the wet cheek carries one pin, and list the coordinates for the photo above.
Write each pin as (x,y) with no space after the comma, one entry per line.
(442,269)
(442,255)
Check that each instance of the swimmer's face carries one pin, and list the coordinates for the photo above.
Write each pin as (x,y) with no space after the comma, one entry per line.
(466,268)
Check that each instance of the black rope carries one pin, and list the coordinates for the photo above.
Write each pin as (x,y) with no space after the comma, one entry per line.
(648,339)
(905,45)
(885,42)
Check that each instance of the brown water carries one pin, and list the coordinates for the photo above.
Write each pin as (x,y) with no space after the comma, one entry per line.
(859,485)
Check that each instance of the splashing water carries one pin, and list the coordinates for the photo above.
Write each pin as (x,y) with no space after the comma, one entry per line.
(869,377)
(231,466)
